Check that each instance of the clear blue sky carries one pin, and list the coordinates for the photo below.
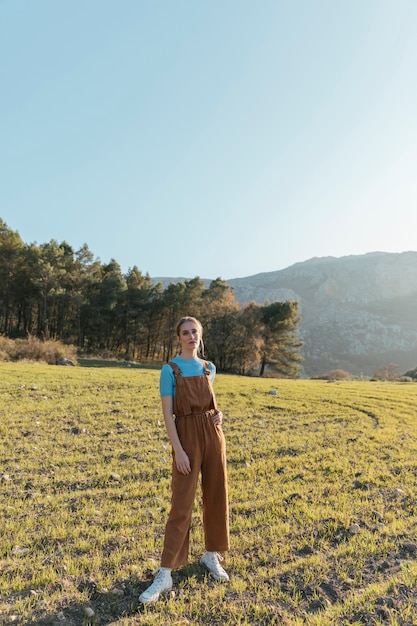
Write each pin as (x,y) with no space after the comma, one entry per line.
(207,137)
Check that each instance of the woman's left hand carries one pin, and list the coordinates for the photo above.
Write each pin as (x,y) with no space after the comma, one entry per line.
(217,418)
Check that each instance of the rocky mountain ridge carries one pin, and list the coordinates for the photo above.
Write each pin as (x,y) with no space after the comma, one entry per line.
(358,312)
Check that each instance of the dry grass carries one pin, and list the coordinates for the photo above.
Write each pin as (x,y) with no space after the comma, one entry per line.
(33,349)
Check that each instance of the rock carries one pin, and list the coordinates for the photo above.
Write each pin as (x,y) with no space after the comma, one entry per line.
(385,601)
(273,392)
(294,496)
(64,361)
(383,614)
(410,547)
(354,529)
(88,611)
(319,605)
(116,591)
(19,550)
(281,470)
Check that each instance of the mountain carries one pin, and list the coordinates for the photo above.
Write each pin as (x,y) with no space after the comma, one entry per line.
(358,312)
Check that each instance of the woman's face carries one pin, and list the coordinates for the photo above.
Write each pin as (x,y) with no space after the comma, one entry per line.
(190,336)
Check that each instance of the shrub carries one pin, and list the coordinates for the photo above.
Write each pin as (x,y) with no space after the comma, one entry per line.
(33,349)
(7,349)
(388,371)
(412,374)
(334,375)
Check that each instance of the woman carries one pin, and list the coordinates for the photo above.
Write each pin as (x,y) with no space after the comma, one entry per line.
(198,445)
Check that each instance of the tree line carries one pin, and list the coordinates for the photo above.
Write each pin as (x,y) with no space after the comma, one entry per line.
(52,291)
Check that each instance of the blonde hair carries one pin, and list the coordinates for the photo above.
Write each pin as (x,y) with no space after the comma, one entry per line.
(193,320)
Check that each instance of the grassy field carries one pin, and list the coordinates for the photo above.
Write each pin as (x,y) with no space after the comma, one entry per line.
(323,501)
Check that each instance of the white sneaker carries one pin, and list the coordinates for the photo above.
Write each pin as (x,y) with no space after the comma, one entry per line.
(161,584)
(211,561)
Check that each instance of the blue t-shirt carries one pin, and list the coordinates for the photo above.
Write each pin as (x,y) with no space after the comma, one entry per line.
(188,367)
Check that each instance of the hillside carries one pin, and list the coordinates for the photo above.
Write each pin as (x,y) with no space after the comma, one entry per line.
(358,312)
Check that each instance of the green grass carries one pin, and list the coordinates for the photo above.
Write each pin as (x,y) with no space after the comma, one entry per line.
(85,492)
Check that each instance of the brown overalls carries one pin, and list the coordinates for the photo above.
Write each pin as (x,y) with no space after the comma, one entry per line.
(204,443)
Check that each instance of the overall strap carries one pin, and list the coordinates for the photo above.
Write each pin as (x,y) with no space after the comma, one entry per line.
(207,370)
(175,368)
(179,402)
(177,371)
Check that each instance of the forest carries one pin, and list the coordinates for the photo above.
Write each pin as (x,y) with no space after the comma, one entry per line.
(52,291)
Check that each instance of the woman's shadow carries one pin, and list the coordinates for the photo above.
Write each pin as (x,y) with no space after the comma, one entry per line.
(121,601)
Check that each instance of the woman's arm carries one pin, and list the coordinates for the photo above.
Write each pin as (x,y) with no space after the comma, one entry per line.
(181,459)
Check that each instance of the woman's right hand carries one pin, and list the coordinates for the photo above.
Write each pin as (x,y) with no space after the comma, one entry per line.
(182,462)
